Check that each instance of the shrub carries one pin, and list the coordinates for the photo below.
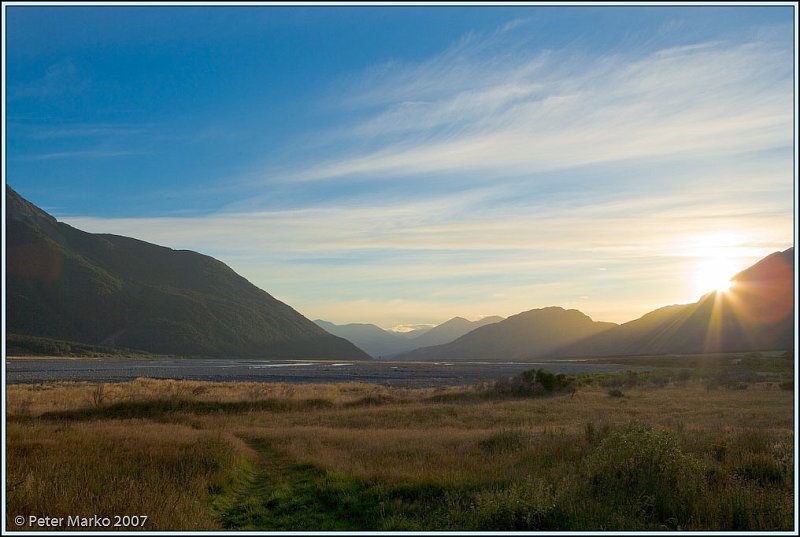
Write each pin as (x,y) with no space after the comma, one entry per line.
(546,379)
(528,377)
(643,471)
(616,393)
(534,382)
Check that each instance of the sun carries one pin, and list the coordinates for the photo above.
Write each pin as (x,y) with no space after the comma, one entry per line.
(714,275)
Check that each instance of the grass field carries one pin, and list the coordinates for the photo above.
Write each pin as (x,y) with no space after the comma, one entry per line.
(710,447)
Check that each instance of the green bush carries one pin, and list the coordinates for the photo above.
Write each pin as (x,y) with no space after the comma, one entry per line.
(643,472)
(546,379)
(534,382)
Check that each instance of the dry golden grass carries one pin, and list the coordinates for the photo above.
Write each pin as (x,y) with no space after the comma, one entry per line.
(36,399)
(109,468)
(165,465)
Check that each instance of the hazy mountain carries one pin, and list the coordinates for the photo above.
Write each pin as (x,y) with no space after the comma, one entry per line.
(380,343)
(451,330)
(411,331)
(757,313)
(525,335)
(372,339)
(114,291)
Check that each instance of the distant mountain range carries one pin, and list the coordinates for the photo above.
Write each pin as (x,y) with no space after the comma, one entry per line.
(451,330)
(410,331)
(118,292)
(519,337)
(370,338)
(380,343)
(757,313)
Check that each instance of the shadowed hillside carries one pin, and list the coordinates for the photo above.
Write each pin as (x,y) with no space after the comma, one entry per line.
(519,336)
(114,291)
(756,314)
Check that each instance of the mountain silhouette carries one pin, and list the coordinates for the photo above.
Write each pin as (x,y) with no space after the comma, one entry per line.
(755,314)
(524,335)
(451,330)
(112,291)
(380,343)
(372,339)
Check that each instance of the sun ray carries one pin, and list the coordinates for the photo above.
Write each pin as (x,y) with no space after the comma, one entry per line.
(714,275)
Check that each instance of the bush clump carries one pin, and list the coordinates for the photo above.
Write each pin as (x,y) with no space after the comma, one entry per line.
(644,472)
(535,382)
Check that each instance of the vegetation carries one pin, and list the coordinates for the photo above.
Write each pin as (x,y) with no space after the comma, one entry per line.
(528,453)
(19,345)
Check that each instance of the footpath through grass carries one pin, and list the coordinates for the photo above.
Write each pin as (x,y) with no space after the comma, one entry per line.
(278,494)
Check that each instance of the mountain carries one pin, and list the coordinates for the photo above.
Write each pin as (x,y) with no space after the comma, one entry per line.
(451,330)
(372,339)
(106,290)
(756,313)
(380,343)
(525,335)
(411,331)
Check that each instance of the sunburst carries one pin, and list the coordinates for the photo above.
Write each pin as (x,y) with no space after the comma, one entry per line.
(714,275)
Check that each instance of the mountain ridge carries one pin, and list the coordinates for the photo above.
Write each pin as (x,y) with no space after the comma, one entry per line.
(513,337)
(755,314)
(111,290)
(380,343)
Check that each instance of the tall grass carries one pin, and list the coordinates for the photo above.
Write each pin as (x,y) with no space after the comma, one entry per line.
(118,468)
(194,455)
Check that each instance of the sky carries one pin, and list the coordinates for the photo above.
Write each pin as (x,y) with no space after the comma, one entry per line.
(408,164)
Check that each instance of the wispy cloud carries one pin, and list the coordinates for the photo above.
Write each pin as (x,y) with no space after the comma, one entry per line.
(570,179)
(469,111)
(60,78)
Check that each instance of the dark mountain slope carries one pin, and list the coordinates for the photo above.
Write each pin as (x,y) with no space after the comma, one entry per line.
(524,335)
(757,313)
(63,283)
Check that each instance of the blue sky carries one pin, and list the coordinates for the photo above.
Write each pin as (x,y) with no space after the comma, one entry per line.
(398,164)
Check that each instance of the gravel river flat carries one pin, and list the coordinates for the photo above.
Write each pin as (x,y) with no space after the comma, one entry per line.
(402,374)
